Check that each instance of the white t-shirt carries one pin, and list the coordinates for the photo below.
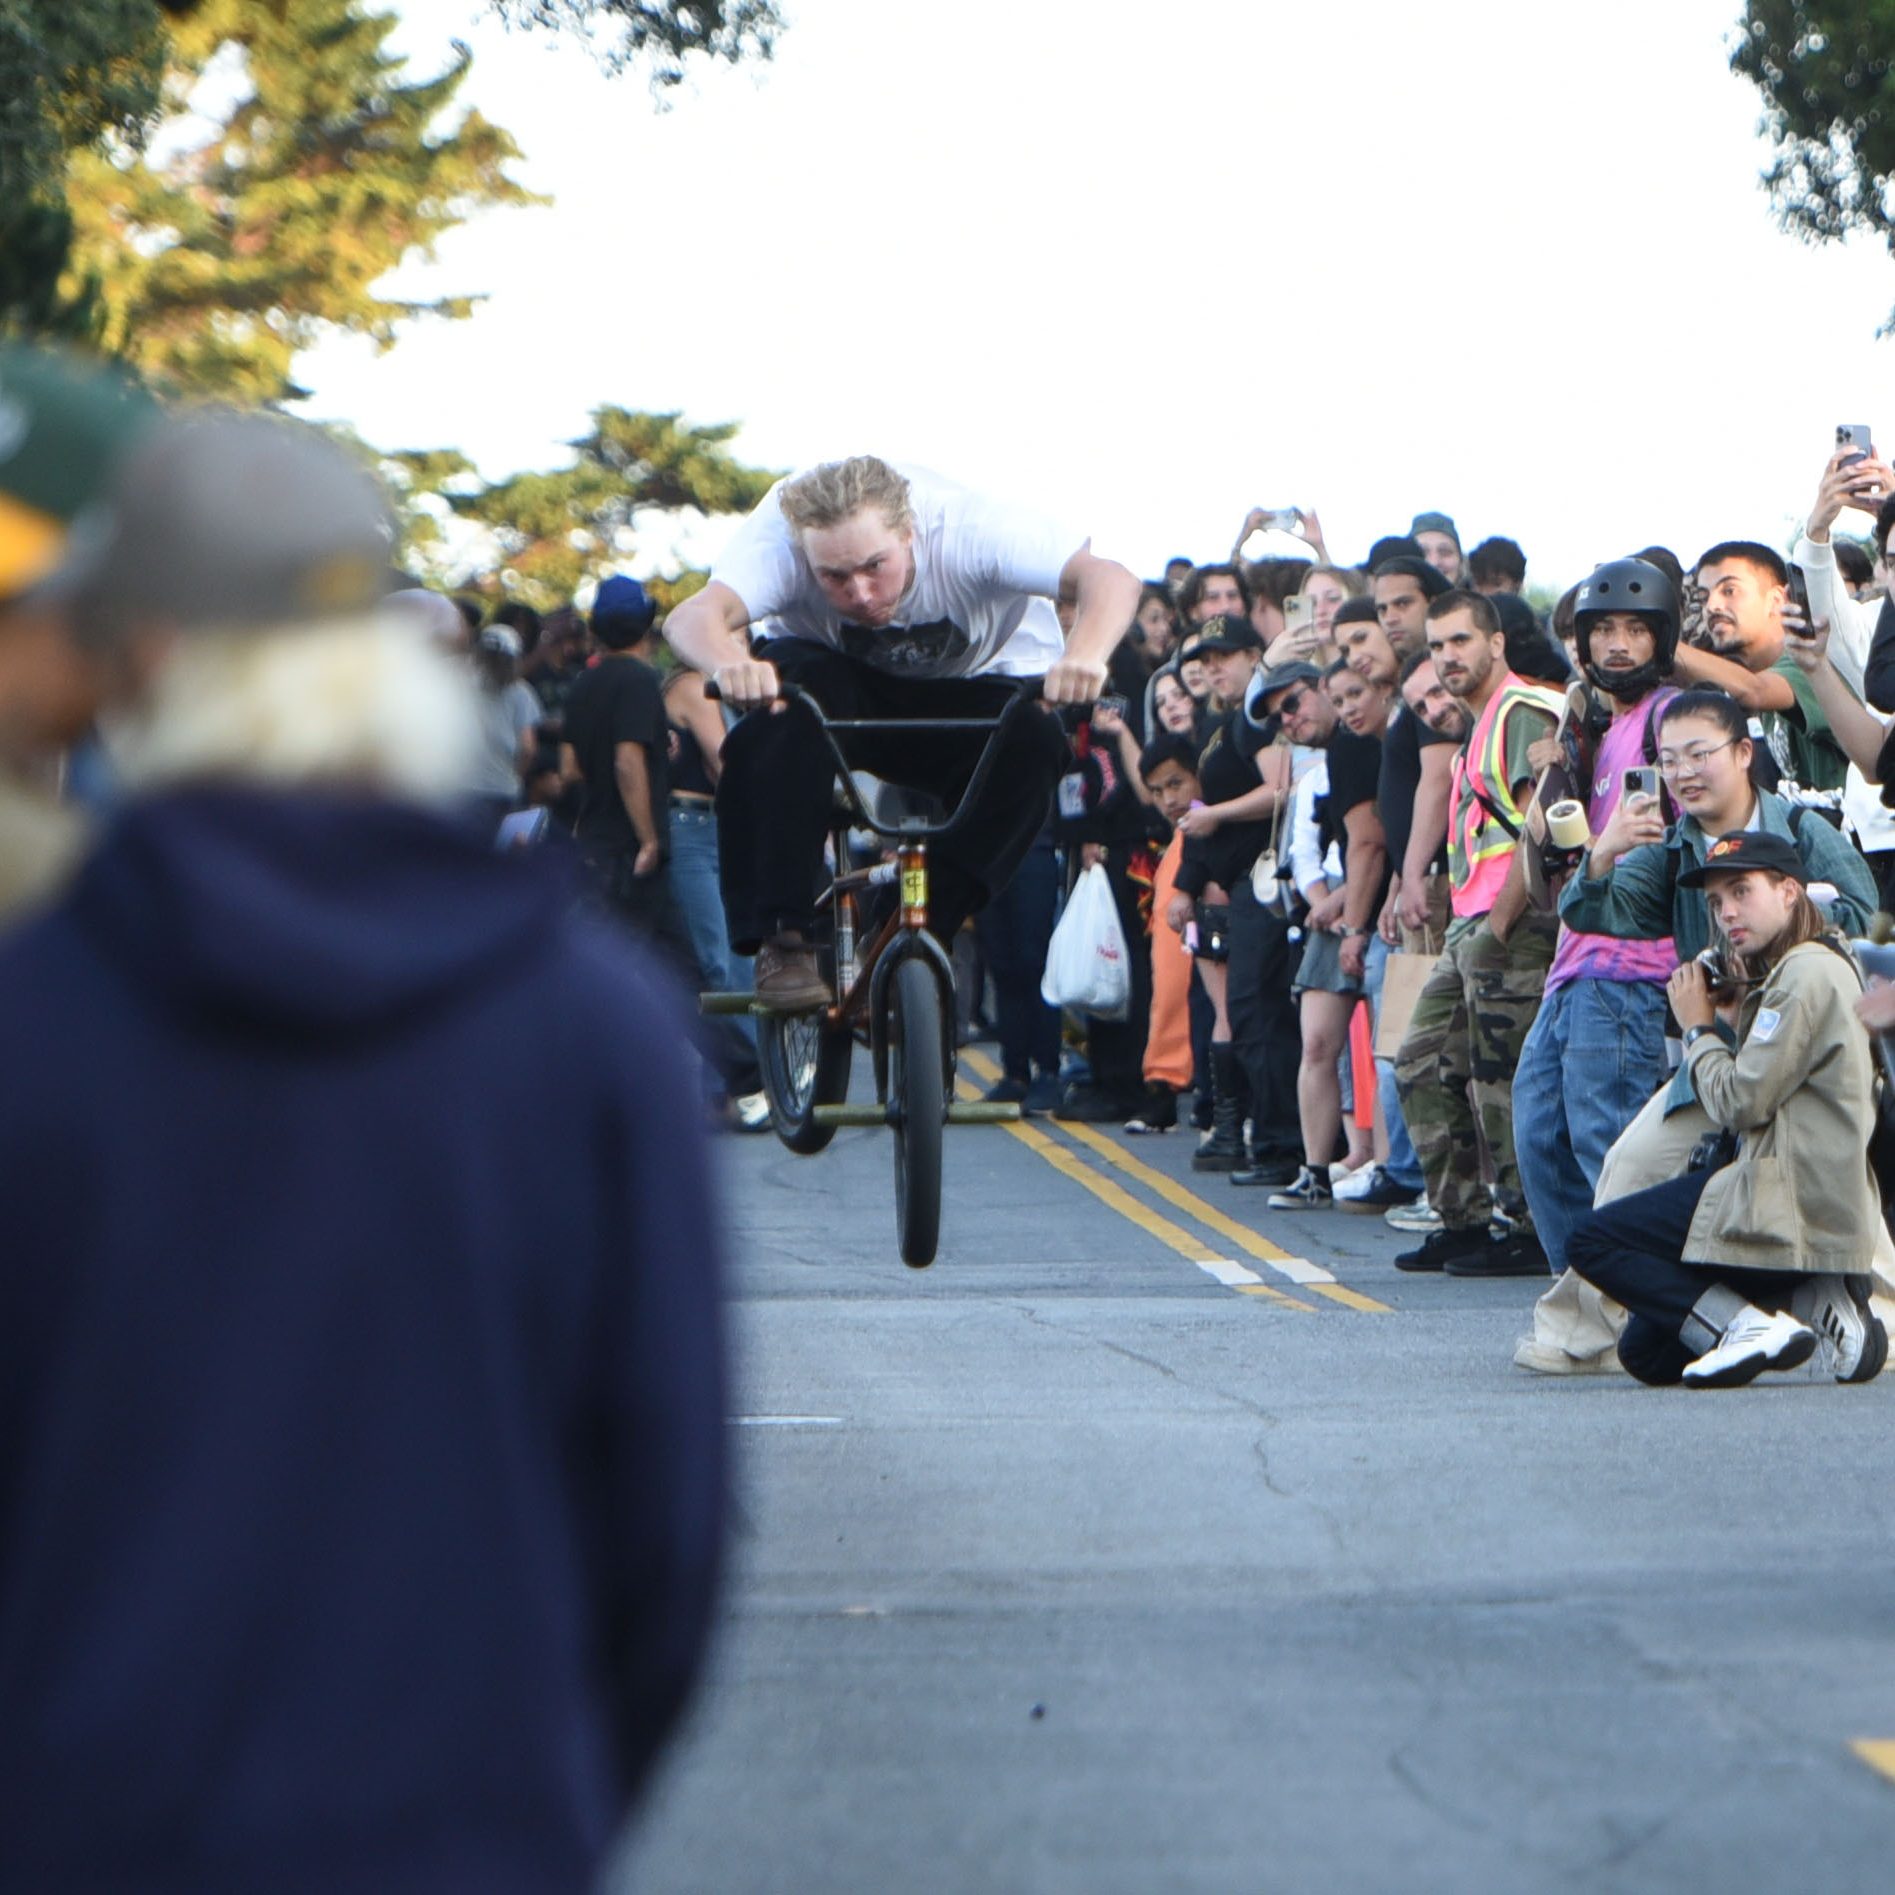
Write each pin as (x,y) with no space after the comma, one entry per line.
(505,717)
(981,600)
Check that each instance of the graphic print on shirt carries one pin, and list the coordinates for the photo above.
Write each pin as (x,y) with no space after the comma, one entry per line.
(906,650)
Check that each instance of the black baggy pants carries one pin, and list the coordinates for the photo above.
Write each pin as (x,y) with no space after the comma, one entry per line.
(775,793)
(1264,1027)
(1633,1250)
(1015,930)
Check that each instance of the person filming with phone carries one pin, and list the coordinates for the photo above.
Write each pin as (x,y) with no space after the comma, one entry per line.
(1761,1250)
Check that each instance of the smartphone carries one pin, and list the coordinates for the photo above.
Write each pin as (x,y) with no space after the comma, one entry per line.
(1114,706)
(1281,520)
(1299,612)
(1855,436)
(1799,595)
(1642,782)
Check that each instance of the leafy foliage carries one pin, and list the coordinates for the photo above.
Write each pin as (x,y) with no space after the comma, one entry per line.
(657,37)
(1823,68)
(214,266)
(554,530)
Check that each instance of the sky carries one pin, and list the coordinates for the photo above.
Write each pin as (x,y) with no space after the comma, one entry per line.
(1145,268)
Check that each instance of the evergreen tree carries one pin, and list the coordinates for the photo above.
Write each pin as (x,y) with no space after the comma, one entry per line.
(213,267)
(554,530)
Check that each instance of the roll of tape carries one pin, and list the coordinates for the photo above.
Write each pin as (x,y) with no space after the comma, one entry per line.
(1566,824)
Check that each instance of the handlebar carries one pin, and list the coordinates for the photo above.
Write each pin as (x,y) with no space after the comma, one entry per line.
(1028,691)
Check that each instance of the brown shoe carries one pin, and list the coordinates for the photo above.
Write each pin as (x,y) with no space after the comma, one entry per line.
(788,979)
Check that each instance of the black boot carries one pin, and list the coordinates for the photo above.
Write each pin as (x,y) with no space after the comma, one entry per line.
(1223,1147)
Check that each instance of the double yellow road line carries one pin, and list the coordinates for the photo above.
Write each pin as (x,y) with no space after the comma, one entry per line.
(1309,1279)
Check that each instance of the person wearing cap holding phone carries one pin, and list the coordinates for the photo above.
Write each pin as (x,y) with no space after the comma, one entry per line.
(1760,1252)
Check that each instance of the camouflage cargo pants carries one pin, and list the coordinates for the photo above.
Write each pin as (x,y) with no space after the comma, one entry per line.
(1469,1024)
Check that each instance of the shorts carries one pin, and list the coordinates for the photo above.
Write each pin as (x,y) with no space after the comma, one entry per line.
(1213,936)
(1320,969)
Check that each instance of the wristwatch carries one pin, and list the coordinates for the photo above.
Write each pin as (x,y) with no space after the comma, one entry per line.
(1693,1034)
(1353,933)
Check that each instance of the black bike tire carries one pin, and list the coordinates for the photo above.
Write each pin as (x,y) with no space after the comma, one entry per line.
(917,1084)
(791,1115)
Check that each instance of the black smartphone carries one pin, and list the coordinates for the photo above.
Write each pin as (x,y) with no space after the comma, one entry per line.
(1114,706)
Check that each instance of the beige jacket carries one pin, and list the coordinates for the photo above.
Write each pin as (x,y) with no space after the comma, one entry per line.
(1799,1092)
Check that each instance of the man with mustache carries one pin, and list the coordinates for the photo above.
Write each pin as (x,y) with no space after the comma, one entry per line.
(1473,1014)
(1745,585)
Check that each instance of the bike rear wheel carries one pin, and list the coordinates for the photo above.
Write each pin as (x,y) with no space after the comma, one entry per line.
(805,1062)
(917,1093)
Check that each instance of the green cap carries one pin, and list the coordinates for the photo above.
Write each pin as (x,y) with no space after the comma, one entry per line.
(64,421)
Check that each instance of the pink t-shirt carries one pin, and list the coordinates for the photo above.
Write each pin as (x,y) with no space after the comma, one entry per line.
(1605,956)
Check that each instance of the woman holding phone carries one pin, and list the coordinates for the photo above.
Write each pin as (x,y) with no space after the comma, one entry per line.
(1762,1249)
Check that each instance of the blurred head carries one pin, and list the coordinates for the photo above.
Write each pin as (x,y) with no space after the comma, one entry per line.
(1430,700)
(1365,648)
(1303,713)
(1361,707)
(1326,588)
(1440,543)
(624,614)
(1176,709)
(1196,679)
(1704,755)
(1402,589)
(853,521)
(1214,592)
(1177,570)
(497,656)
(1157,624)
(1745,584)
(1169,766)
(1497,565)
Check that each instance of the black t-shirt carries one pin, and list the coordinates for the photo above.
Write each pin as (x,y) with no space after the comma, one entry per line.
(1355,770)
(1400,779)
(618,701)
(1227,769)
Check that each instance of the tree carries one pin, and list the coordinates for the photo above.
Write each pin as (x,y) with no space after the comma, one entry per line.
(1823,68)
(213,267)
(554,530)
(657,37)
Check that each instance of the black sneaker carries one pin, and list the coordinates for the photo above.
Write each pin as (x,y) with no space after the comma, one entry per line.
(1516,1253)
(1273,1171)
(1087,1105)
(1309,1193)
(1158,1114)
(1435,1250)
(1007,1091)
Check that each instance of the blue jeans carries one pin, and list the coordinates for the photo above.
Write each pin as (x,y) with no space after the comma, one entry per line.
(1403,1167)
(1594,1054)
(700,904)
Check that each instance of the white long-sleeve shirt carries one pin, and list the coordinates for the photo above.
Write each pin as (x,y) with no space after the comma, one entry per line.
(1851,628)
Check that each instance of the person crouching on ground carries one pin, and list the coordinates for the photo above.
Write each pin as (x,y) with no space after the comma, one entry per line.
(1737,1266)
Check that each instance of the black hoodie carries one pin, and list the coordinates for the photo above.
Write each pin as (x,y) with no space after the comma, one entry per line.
(361,1388)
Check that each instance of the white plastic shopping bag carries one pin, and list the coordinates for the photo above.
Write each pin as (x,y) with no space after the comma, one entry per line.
(1088,966)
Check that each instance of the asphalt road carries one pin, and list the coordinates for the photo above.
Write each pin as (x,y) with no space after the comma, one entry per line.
(1068,1564)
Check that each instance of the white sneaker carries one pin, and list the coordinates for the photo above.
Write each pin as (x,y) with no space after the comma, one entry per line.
(753,1111)
(1546,1358)
(1757,1339)
(1854,1342)
(1419,1218)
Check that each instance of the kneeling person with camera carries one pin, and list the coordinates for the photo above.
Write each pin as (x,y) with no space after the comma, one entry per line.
(1761,1249)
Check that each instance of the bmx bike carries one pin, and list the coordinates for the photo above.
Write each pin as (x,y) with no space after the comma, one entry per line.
(894,994)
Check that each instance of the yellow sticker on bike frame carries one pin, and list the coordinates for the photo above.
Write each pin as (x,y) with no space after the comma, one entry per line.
(914,888)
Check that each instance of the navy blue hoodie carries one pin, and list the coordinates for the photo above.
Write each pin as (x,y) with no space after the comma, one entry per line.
(361,1377)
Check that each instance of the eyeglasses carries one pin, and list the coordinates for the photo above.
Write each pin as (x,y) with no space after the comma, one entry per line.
(1692,761)
(1287,707)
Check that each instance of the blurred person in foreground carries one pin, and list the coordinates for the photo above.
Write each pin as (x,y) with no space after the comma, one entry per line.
(63,423)
(361,1466)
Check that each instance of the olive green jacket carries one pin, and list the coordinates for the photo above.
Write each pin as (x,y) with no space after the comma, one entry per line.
(1799,1090)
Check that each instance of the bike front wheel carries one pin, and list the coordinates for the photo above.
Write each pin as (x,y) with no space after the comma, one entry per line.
(917,1092)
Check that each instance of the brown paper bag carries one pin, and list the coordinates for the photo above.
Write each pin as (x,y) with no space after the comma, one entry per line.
(1402,981)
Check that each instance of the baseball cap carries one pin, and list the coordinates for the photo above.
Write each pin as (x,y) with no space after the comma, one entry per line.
(1265,684)
(219,521)
(1747,849)
(64,423)
(502,640)
(1226,632)
(621,598)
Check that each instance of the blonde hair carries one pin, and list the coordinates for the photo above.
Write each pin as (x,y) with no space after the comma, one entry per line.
(838,490)
(366,700)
